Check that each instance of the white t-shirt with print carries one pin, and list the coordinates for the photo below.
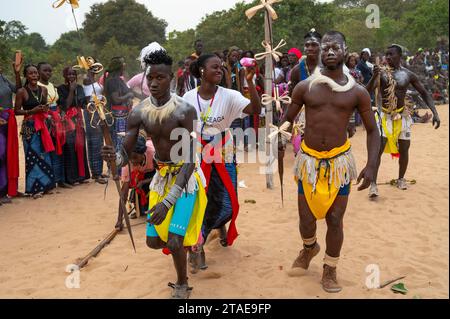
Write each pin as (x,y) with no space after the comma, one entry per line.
(227,106)
(89,90)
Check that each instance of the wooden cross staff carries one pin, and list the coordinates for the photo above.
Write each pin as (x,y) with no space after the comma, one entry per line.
(270,15)
(98,106)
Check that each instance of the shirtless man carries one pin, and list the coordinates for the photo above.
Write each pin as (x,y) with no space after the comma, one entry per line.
(177,196)
(301,71)
(395,126)
(330,97)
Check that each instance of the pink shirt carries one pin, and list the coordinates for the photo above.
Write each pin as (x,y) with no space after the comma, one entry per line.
(147,167)
(136,81)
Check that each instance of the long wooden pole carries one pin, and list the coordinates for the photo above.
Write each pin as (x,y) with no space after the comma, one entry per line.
(377,88)
(94,252)
(269,110)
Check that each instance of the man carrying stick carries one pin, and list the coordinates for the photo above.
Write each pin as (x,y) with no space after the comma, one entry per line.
(177,193)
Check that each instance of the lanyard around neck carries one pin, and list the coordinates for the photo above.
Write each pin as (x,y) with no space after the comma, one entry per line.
(204,115)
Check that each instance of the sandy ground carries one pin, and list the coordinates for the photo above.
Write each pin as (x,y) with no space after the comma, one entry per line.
(403,233)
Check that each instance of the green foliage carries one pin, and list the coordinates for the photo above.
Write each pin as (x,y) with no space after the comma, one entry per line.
(297,17)
(123,27)
(65,50)
(14,29)
(128,21)
(113,49)
(411,23)
(180,44)
(428,23)
(5,49)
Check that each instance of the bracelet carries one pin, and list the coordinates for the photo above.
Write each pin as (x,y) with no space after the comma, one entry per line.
(173,195)
(121,157)
(119,160)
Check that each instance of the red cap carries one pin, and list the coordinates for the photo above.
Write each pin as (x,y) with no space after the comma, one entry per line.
(296,51)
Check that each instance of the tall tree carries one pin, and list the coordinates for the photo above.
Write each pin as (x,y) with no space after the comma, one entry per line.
(180,44)
(14,29)
(128,21)
(113,49)
(5,50)
(33,41)
(428,23)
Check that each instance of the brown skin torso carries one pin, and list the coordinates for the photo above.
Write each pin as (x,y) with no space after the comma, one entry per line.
(183,116)
(327,113)
(403,78)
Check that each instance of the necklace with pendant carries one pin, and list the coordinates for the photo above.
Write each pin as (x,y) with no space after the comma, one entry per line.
(36,96)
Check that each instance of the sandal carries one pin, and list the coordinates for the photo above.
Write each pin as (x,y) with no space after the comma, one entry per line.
(180,291)
(101,180)
(38,195)
(64,185)
(5,200)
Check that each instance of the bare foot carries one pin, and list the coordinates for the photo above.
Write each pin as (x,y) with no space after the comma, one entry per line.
(194,261)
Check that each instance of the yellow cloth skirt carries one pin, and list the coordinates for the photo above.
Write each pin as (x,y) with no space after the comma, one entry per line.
(195,224)
(329,175)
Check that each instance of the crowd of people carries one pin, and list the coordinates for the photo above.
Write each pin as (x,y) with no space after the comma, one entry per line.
(63,143)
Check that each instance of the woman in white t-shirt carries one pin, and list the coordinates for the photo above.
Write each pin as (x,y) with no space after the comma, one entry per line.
(217,107)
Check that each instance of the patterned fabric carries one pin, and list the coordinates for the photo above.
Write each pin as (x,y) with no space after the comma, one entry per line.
(94,143)
(57,160)
(38,164)
(218,210)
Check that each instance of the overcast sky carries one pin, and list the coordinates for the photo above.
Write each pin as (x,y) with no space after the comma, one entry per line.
(39,16)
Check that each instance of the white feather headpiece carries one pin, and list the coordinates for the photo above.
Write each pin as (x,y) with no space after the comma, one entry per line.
(152,47)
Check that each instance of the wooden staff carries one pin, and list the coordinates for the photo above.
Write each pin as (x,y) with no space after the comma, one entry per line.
(136,204)
(268,91)
(378,85)
(94,252)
